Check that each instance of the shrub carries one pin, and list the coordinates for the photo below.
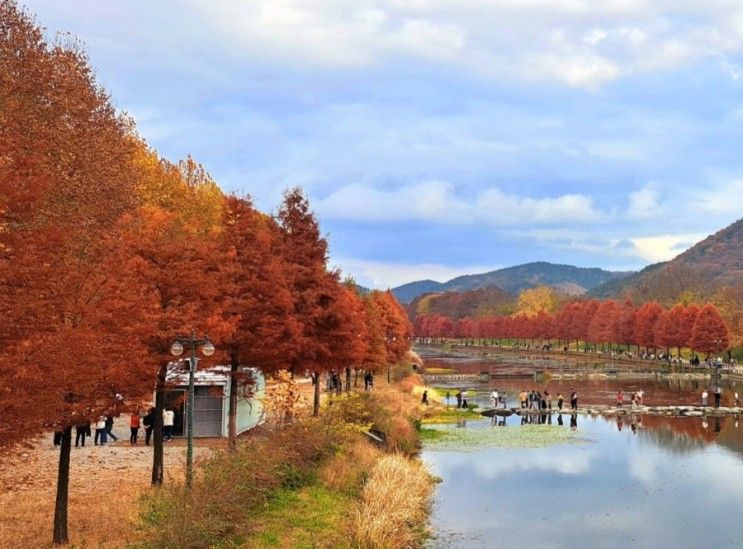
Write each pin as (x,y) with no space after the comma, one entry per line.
(220,504)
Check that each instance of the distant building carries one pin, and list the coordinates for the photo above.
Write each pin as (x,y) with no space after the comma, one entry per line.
(212,400)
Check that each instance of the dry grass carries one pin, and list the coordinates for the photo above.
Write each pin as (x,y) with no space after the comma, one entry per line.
(105,486)
(394,505)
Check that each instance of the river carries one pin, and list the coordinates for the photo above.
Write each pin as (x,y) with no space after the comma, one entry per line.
(639,481)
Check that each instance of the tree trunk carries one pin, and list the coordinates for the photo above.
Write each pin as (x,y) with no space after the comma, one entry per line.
(316,400)
(355,378)
(348,380)
(60,536)
(232,421)
(157,434)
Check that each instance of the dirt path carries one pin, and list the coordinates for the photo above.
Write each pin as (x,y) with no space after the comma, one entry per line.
(106,483)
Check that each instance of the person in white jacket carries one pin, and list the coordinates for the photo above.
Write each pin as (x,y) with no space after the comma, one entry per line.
(168,420)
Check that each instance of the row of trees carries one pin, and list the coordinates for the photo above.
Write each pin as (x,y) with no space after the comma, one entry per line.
(108,253)
(607,322)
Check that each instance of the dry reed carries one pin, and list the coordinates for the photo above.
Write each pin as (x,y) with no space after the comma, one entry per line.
(394,505)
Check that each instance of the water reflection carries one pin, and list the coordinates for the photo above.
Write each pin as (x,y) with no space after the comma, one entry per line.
(633,486)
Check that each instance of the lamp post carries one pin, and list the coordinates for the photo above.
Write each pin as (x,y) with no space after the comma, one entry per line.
(389,341)
(176,350)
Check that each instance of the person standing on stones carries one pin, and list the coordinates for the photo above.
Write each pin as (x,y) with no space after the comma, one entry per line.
(459,398)
(718,396)
(620,399)
(737,400)
(560,400)
(573,399)
(705,395)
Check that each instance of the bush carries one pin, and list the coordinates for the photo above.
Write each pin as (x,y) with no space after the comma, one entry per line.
(219,506)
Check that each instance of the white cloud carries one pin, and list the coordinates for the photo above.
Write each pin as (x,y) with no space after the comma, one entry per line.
(439,202)
(726,198)
(383,275)
(643,203)
(582,43)
(663,247)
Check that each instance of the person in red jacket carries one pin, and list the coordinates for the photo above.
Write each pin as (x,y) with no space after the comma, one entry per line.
(134,424)
(620,399)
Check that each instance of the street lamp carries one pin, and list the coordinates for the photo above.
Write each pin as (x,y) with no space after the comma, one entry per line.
(389,341)
(176,349)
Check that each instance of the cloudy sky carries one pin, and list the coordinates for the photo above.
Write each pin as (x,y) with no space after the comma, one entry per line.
(442,137)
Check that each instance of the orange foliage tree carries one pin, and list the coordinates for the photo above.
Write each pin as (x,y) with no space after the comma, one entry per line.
(255,298)
(71,312)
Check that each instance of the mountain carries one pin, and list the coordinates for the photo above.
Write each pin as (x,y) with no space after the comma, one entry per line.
(407,292)
(699,273)
(566,278)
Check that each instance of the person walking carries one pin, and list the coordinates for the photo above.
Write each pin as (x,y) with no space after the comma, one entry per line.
(168,420)
(134,426)
(424,398)
(494,398)
(149,424)
(81,431)
(573,399)
(718,396)
(705,396)
(109,428)
(459,399)
(620,399)
(100,431)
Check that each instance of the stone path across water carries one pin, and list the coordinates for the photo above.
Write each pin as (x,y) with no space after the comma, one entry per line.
(603,410)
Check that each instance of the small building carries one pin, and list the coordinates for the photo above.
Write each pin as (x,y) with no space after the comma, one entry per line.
(212,400)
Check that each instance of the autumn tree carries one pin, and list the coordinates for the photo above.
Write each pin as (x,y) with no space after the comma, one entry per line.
(645,320)
(541,298)
(255,299)
(70,308)
(710,333)
(305,256)
(603,326)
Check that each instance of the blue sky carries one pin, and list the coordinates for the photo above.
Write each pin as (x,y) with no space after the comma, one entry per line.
(444,137)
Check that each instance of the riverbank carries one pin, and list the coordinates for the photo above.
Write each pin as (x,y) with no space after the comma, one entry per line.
(318,482)
(571,355)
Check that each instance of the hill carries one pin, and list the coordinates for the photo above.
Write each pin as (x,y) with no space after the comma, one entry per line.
(408,292)
(699,273)
(565,278)
(480,302)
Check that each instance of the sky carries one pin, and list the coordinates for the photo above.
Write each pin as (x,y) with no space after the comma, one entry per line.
(443,137)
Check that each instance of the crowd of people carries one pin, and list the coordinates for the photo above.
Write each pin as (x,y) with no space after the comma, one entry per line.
(105,424)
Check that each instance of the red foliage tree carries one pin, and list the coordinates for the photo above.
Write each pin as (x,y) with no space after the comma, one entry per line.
(645,320)
(710,333)
(604,325)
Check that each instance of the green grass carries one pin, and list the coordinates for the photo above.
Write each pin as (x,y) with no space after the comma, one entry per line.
(474,437)
(313,516)
(451,415)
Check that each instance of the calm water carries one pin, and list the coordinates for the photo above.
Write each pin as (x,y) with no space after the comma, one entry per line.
(651,482)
